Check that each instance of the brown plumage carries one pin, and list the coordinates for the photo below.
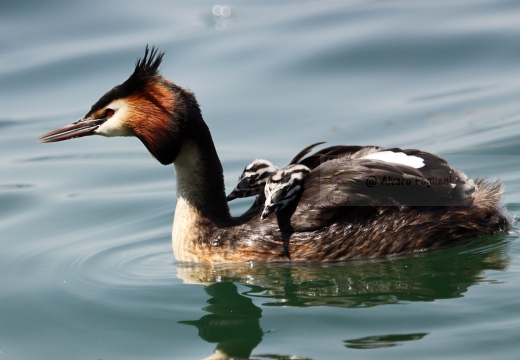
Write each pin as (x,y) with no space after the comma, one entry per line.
(357,202)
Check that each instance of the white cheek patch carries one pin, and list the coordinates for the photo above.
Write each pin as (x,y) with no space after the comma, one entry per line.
(116,124)
(397,158)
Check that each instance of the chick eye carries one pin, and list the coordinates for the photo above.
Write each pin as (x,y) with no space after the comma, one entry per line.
(109,112)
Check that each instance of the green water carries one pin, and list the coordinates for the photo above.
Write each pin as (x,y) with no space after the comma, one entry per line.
(86,266)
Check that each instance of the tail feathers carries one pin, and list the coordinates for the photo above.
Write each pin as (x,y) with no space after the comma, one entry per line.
(487,200)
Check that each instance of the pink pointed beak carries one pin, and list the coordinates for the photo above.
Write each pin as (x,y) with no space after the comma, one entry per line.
(77,129)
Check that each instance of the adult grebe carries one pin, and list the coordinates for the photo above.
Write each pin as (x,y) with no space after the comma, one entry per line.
(357,202)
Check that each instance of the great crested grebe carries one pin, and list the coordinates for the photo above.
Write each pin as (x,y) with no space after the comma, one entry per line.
(360,202)
(283,187)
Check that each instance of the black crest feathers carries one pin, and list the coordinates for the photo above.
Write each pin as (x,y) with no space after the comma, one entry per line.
(148,66)
(146,69)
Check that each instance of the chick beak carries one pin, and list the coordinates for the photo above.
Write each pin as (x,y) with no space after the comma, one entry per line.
(241,190)
(79,128)
(232,196)
(267,211)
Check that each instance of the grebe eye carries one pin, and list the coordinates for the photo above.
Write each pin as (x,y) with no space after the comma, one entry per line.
(109,112)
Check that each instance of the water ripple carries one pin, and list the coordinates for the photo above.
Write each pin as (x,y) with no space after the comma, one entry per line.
(123,267)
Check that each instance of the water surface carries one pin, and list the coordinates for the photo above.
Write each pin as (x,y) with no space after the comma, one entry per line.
(86,262)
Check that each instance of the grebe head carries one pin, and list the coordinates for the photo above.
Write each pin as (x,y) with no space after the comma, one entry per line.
(253,179)
(146,105)
(283,187)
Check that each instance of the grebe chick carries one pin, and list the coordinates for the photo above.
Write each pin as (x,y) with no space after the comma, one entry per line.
(254,177)
(283,187)
(350,207)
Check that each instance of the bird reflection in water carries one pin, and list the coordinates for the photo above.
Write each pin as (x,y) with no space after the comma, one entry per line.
(233,319)
(233,322)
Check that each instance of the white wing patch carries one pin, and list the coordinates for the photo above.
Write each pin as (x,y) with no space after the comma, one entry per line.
(397,158)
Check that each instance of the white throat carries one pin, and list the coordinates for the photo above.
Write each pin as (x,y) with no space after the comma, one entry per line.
(187,171)
(187,218)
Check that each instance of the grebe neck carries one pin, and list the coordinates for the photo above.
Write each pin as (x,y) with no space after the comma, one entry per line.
(189,146)
(200,182)
(201,199)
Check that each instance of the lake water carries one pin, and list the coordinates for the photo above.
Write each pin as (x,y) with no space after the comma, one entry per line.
(86,266)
